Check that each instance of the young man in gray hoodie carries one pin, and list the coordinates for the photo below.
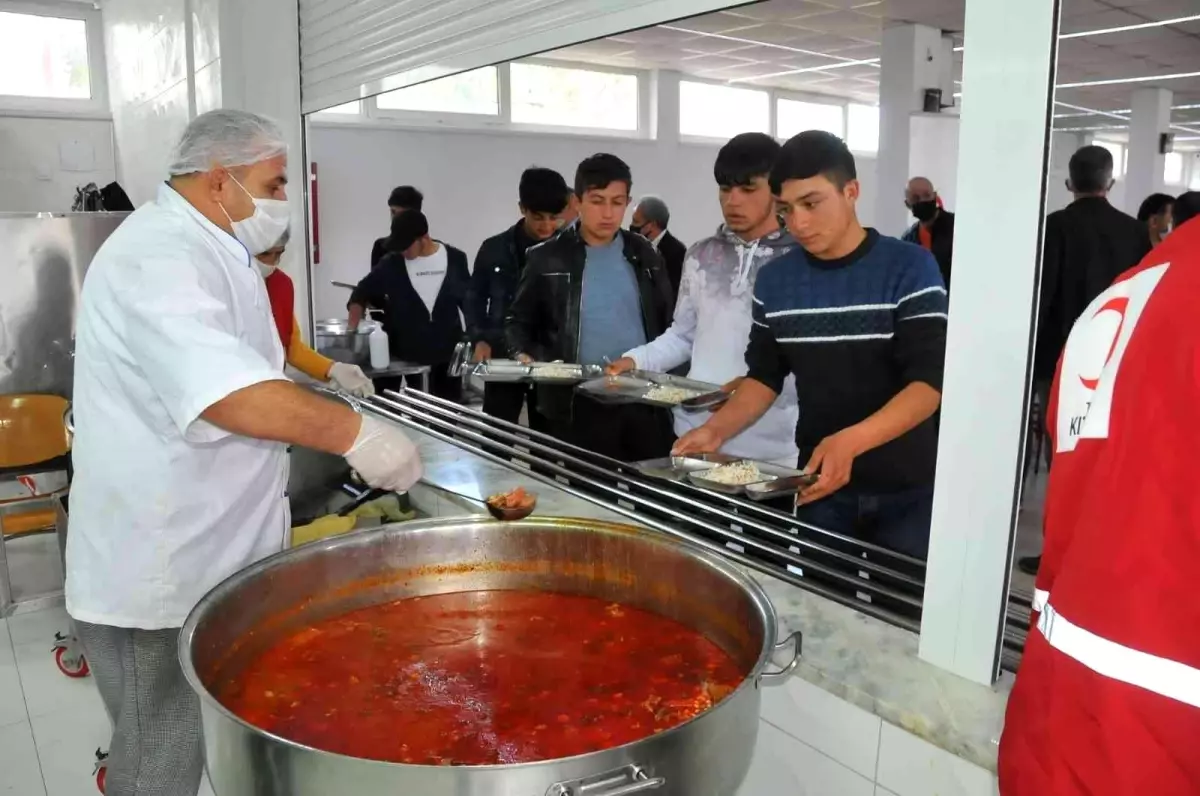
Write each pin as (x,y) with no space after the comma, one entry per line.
(712,319)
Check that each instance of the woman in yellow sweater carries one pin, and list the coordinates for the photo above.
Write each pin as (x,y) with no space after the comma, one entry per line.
(301,356)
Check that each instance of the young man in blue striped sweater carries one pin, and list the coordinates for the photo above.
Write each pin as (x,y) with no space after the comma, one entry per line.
(860,319)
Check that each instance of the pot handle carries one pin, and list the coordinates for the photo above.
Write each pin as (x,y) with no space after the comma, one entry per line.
(795,640)
(620,782)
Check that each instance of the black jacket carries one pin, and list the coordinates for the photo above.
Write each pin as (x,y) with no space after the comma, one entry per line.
(544,318)
(494,281)
(673,253)
(379,250)
(1086,246)
(942,242)
(415,334)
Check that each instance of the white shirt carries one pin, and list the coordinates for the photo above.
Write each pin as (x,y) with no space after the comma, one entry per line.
(711,327)
(427,275)
(173,317)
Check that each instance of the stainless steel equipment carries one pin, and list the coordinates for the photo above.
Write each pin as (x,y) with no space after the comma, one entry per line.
(707,756)
(336,340)
(43,258)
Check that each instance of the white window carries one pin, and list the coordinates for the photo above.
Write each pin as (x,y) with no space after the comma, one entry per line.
(714,111)
(1173,168)
(346,109)
(863,123)
(1118,156)
(567,97)
(50,58)
(1194,185)
(793,117)
(475,92)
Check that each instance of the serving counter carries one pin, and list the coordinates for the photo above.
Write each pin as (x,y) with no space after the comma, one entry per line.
(861,715)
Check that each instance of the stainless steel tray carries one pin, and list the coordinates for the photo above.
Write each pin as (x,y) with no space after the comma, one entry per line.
(633,386)
(777,481)
(677,468)
(559,375)
(501,370)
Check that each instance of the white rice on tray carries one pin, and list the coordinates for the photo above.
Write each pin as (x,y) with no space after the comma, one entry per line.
(669,395)
(733,474)
(559,371)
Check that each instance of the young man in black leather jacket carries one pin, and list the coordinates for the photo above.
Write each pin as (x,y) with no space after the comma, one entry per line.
(498,266)
(587,296)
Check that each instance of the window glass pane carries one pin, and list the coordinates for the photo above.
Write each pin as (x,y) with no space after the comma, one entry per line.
(43,57)
(1173,168)
(466,92)
(794,117)
(1118,156)
(349,108)
(863,121)
(1194,185)
(722,111)
(557,95)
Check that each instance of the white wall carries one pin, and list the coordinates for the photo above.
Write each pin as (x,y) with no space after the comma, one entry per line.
(43,161)
(146,44)
(933,154)
(469,179)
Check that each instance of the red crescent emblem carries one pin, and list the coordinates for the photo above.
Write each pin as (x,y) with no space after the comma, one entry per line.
(1118,305)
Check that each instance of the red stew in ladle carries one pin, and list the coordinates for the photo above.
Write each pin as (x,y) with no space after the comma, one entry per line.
(483,677)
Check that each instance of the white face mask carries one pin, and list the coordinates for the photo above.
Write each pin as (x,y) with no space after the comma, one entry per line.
(264,269)
(265,227)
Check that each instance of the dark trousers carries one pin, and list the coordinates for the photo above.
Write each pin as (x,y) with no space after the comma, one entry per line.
(896,520)
(441,383)
(626,432)
(505,401)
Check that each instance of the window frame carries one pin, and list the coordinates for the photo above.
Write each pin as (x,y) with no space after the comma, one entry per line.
(811,99)
(371,113)
(874,153)
(97,104)
(693,138)
(369,109)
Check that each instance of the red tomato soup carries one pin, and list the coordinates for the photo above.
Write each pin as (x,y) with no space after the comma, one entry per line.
(483,677)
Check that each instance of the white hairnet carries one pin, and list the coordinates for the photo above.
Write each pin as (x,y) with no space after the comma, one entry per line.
(226,138)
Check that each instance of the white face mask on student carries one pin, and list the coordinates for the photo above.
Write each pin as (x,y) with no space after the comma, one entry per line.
(265,226)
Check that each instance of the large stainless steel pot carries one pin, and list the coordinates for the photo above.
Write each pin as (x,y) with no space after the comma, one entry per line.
(337,341)
(707,756)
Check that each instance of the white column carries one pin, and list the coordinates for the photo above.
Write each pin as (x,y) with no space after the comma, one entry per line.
(663,110)
(260,72)
(914,59)
(1004,130)
(1150,118)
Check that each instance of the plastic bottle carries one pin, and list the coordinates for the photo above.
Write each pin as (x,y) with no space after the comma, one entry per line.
(377,342)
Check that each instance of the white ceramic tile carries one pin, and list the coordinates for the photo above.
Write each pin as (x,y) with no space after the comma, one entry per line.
(845,732)
(20,774)
(882,791)
(66,743)
(783,766)
(12,698)
(910,766)
(47,690)
(6,651)
(38,627)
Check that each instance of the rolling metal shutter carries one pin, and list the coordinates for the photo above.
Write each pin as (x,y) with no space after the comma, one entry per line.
(348,47)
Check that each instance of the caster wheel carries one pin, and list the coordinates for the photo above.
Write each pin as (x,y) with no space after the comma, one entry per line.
(100,777)
(78,670)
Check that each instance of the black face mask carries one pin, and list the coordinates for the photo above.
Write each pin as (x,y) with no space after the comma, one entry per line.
(924,211)
(638,229)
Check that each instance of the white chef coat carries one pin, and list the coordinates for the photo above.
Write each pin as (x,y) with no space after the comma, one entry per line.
(173,317)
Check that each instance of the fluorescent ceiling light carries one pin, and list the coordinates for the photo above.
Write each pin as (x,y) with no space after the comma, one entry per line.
(1140,26)
(1119,80)
(1118,115)
(740,40)
(867,62)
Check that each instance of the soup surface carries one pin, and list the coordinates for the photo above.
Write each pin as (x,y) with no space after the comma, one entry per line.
(483,677)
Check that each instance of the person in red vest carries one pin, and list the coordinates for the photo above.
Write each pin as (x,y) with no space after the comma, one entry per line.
(300,355)
(1107,699)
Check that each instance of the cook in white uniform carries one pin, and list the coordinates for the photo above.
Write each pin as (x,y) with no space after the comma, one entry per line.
(183,418)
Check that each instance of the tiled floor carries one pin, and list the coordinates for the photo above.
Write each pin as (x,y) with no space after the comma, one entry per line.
(50,725)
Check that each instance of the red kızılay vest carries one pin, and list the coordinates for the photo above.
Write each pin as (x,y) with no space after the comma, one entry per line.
(1107,700)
